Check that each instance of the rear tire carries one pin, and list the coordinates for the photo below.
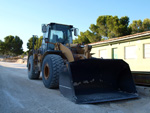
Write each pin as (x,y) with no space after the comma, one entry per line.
(31,72)
(51,67)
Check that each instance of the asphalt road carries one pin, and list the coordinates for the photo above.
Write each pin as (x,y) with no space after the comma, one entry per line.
(18,94)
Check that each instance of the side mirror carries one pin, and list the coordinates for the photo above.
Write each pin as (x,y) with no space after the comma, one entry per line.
(76,31)
(46,40)
(44,28)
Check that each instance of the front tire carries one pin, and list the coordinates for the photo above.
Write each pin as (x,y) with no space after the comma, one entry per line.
(51,68)
(31,71)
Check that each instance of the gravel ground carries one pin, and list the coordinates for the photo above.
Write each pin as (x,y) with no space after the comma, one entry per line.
(18,94)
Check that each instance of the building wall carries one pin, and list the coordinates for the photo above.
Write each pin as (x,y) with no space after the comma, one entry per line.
(135,57)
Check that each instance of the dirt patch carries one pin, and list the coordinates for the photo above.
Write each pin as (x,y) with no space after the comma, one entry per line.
(15,59)
(21,61)
(143,90)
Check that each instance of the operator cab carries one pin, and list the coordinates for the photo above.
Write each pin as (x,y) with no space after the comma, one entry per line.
(58,33)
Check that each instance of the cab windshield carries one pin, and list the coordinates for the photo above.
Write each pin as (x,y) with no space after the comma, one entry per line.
(60,36)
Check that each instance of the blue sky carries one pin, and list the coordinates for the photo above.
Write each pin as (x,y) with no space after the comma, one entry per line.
(24,17)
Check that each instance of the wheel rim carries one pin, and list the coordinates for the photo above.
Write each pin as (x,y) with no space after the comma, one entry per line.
(46,71)
(29,67)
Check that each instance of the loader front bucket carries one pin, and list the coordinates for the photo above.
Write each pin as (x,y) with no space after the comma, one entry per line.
(97,80)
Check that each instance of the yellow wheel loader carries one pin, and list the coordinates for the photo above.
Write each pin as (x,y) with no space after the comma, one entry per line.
(70,67)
